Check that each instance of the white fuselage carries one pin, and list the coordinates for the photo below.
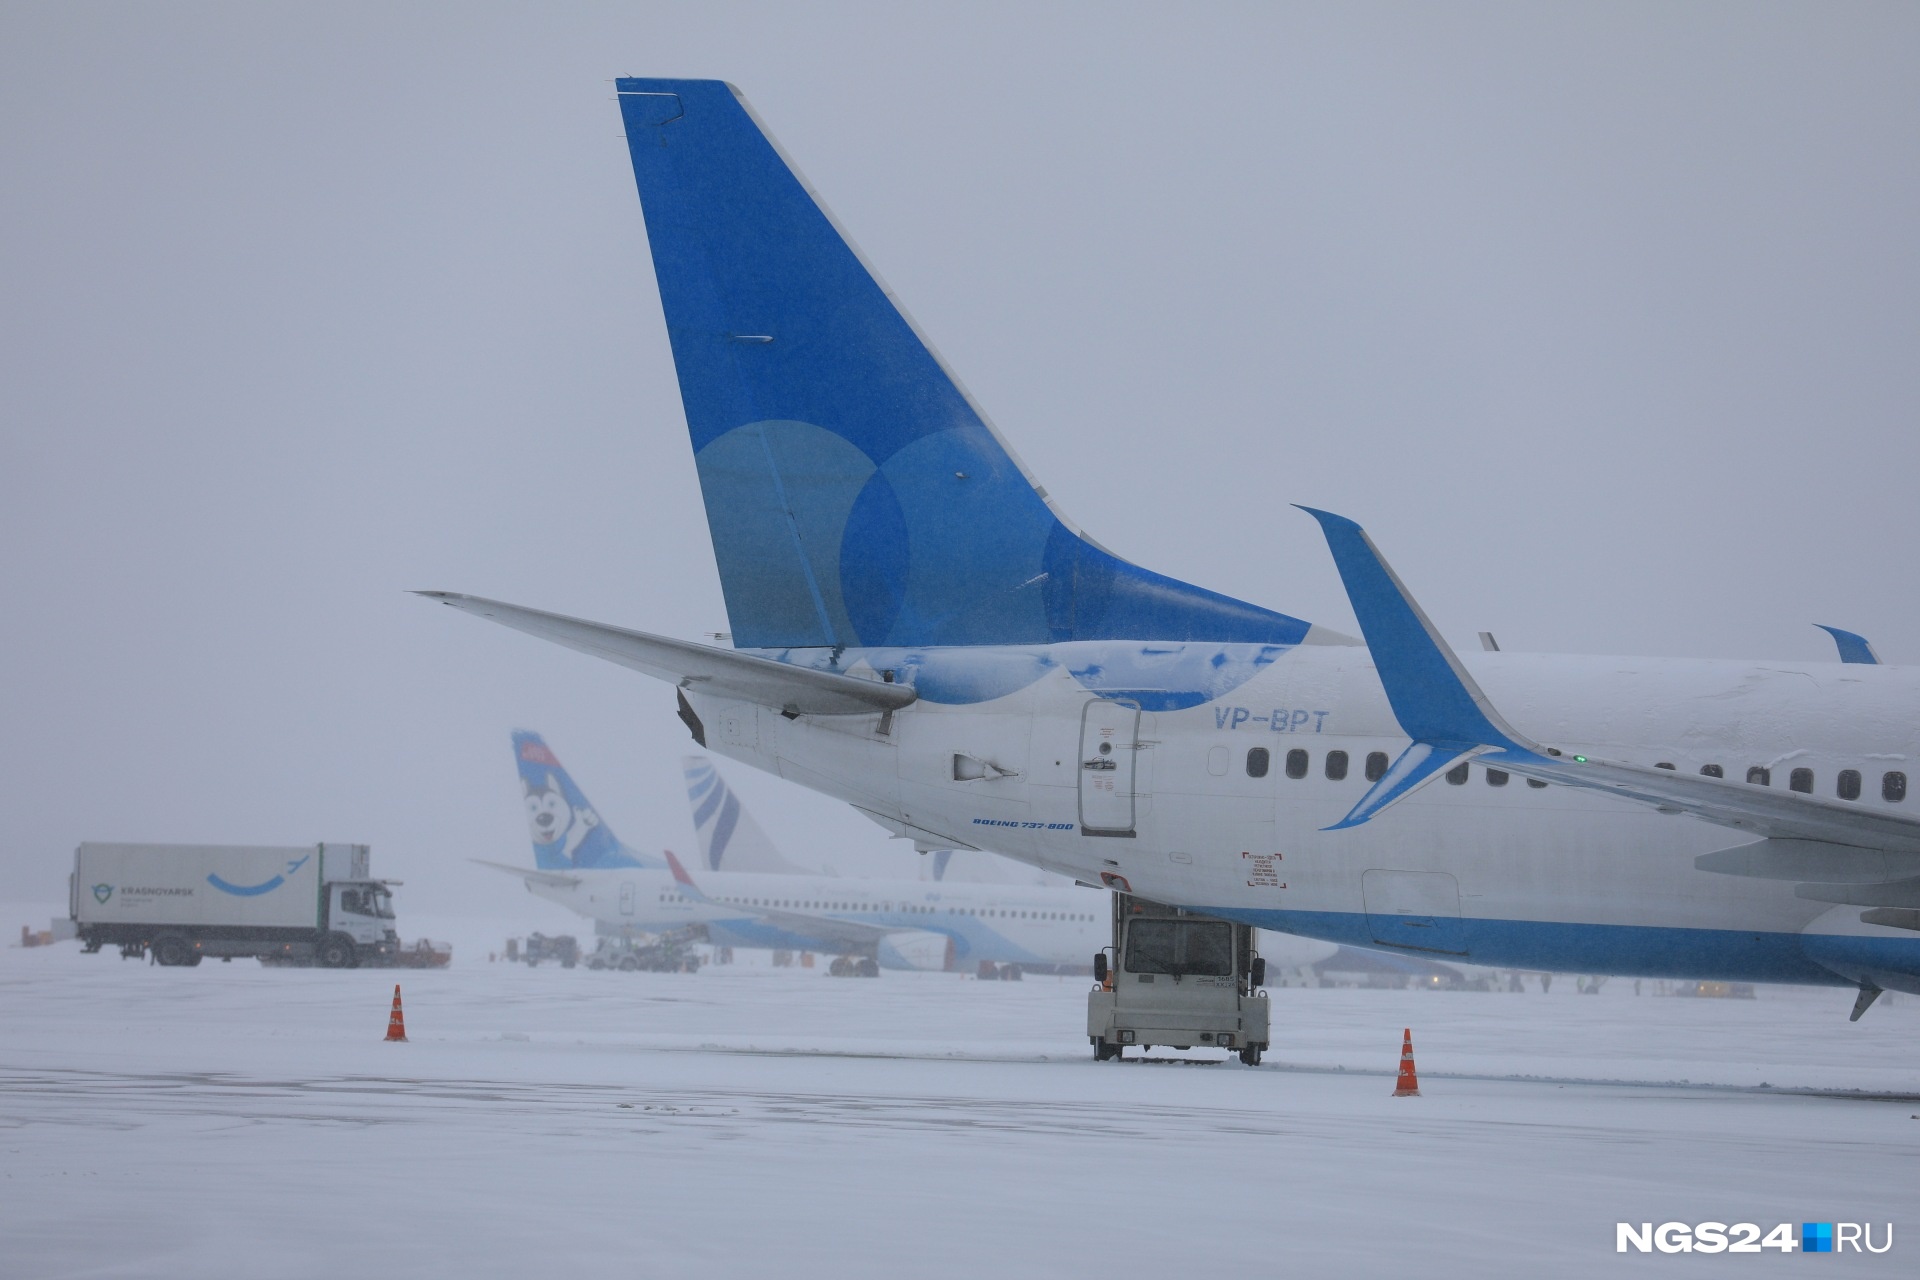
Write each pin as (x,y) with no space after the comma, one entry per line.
(1515,874)
(1004,924)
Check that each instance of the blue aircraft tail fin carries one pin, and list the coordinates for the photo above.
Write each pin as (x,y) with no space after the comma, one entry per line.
(730,840)
(854,493)
(567,834)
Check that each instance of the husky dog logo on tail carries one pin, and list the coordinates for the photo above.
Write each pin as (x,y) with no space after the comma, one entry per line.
(567,833)
(556,825)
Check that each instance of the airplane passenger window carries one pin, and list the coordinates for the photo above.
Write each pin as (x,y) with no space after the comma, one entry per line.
(1535,782)
(1664,764)
(1258,759)
(1376,765)
(1712,771)
(1336,765)
(1847,785)
(1296,763)
(1801,780)
(1760,776)
(1457,776)
(1893,787)
(1496,777)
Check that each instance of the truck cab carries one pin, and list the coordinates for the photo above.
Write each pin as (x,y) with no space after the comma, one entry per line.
(1175,977)
(363,911)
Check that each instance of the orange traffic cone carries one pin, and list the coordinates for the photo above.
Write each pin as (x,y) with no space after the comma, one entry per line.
(397,1021)
(1407,1086)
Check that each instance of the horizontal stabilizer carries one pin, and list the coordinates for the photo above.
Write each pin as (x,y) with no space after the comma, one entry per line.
(797,690)
(552,879)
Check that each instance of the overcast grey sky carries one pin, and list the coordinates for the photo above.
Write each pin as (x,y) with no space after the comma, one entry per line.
(1602,318)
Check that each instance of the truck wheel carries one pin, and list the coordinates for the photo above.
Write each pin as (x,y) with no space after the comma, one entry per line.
(172,949)
(336,952)
(1251,1055)
(1105,1052)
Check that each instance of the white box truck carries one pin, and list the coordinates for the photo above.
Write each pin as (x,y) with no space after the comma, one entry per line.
(314,904)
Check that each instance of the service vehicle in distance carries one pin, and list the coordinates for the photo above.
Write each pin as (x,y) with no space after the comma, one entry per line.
(314,904)
(538,947)
(1177,978)
(668,953)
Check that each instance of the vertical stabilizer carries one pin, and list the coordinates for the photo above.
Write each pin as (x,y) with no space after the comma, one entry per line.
(567,833)
(730,840)
(855,494)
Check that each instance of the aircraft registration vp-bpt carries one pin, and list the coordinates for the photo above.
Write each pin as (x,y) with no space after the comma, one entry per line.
(747,895)
(920,633)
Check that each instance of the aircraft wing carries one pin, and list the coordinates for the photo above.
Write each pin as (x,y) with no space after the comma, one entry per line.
(556,879)
(796,690)
(849,935)
(1449,718)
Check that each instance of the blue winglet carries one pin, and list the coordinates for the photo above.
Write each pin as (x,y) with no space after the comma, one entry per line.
(1433,697)
(1853,646)
(1414,769)
(1436,702)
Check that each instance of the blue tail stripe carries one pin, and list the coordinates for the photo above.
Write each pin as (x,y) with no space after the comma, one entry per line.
(854,495)
(723,829)
(707,806)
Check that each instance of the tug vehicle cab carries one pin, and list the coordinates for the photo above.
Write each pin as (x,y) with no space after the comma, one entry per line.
(1175,977)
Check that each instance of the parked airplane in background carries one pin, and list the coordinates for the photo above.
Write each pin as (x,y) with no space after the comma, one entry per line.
(889,924)
(731,840)
(924,636)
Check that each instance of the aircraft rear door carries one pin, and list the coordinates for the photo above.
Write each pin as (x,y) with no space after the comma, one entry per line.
(1109,756)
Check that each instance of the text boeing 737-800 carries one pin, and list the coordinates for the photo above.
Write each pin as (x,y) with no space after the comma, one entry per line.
(922,635)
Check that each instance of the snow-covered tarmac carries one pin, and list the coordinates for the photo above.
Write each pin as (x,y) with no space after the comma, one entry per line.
(235,1121)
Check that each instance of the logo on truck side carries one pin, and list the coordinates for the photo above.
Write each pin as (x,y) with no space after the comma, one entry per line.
(245,890)
(101,892)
